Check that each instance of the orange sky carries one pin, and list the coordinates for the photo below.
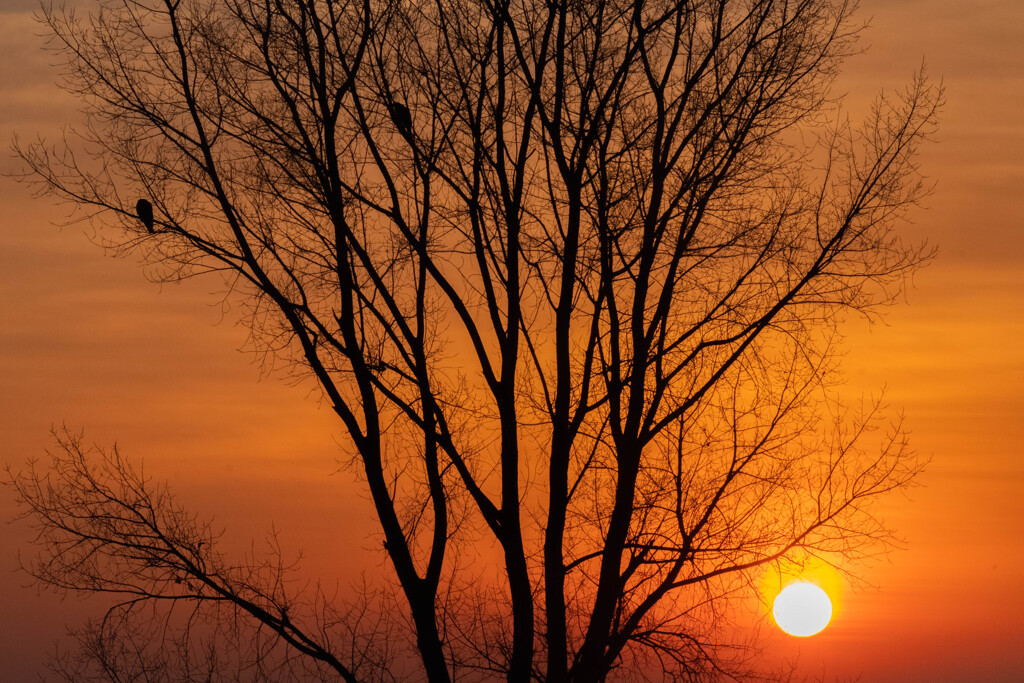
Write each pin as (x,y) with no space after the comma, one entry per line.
(87,341)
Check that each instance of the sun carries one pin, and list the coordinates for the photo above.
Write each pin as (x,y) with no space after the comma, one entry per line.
(802,609)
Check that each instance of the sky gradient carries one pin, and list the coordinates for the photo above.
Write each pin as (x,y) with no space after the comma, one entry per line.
(86,341)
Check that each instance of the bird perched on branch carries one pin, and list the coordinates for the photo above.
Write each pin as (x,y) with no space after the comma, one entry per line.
(402,117)
(400,114)
(144,210)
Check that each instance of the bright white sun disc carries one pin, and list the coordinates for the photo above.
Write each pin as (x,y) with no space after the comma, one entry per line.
(802,609)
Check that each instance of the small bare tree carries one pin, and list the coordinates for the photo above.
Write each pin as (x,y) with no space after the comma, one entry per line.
(186,612)
(569,275)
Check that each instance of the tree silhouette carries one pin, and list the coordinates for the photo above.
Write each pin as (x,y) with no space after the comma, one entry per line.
(568,274)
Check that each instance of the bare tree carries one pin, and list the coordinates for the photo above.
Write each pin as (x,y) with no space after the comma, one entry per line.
(568,273)
(185,612)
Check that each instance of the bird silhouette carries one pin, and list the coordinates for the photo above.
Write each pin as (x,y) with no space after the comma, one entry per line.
(144,210)
(402,117)
(400,113)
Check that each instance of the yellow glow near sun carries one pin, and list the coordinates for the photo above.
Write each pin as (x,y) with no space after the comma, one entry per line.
(802,609)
